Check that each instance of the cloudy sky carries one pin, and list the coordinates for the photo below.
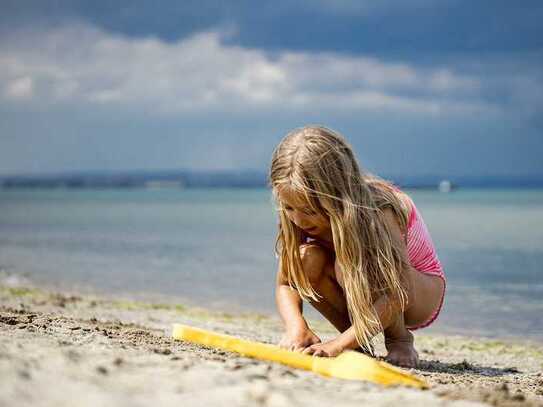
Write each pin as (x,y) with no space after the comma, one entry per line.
(418,87)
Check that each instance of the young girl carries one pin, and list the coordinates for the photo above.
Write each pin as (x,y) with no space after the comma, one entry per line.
(354,246)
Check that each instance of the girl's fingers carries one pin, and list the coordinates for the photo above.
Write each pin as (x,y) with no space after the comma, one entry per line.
(309,350)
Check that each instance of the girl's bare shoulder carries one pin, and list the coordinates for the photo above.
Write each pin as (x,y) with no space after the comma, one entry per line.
(405,199)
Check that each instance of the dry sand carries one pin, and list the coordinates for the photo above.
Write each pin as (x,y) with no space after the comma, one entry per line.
(64,349)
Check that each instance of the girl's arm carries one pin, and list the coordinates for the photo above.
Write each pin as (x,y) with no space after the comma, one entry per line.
(298,335)
(289,304)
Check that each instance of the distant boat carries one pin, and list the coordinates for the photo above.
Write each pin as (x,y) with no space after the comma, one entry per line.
(445,186)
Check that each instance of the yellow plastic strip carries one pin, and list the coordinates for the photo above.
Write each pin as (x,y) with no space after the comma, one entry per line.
(348,365)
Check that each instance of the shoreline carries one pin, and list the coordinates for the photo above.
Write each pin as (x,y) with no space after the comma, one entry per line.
(62,345)
(216,307)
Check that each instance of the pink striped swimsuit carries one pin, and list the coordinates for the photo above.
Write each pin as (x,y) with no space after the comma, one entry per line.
(422,254)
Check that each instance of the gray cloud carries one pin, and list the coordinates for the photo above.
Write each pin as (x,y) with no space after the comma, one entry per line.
(78,97)
(84,65)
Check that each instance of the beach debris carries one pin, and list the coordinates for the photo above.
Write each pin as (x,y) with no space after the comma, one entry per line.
(348,365)
(162,351)
(102,370)
(464,365)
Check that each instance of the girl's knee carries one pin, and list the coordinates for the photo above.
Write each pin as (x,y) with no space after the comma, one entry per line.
(314,259)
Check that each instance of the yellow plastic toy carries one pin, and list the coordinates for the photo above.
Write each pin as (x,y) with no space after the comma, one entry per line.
(348,365)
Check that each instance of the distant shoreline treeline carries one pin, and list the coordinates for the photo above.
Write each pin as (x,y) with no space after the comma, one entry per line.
(235,179)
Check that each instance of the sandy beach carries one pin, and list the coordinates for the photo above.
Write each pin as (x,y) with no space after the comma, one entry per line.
(66,349)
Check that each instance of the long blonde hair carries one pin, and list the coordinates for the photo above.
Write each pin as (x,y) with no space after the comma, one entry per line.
(320,164)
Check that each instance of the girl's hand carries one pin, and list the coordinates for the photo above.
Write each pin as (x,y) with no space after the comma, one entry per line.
(298,339)
(327,349)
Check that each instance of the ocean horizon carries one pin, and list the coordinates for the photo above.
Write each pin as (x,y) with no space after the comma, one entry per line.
(180,179)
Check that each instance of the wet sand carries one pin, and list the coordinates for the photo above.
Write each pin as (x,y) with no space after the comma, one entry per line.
(66,349)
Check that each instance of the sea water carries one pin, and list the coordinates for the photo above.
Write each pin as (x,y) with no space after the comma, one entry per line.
(214,248)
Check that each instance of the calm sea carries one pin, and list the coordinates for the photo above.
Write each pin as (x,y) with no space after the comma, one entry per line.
(215,248)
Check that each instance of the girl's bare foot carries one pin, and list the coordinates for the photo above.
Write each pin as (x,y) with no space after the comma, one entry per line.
(401,351)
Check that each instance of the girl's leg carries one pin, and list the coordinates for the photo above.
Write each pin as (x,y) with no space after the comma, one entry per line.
(332,303)
(318,265)
(424,297)
(425,293)
(399,343)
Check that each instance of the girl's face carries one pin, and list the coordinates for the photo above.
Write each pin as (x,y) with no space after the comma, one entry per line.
(299,212)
